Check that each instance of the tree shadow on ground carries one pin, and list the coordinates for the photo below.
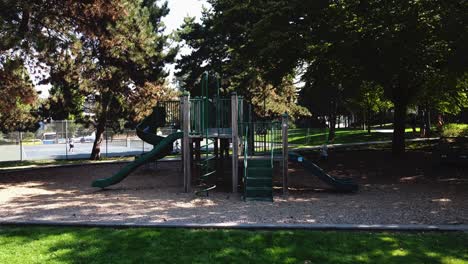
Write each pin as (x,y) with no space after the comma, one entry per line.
(142,245)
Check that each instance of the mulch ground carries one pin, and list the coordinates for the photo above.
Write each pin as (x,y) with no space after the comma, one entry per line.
(409,190)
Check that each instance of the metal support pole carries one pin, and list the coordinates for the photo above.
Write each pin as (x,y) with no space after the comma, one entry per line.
(186,143)
(284,128)
(235,142)
(107,143)
(66,139)
(21,145)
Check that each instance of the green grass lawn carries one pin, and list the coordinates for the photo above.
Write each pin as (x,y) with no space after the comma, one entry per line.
(316,136)
(100,245)
(455,130)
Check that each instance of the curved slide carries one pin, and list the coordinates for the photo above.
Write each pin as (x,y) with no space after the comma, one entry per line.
(146,130)
(344,185)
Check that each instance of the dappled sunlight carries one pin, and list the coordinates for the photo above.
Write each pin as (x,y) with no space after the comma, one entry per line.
(411,179)
(441,200)
(399,252)
(451,260)
(388,239)
(9,193)
(149,245)
(149,196)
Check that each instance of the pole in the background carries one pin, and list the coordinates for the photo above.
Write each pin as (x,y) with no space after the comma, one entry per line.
(66,139)
(186,142)
(21,145)
(284,128)
(142,147)
(106,135)
(235,142)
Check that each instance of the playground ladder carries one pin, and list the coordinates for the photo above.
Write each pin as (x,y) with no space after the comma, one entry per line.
(258,180)
(258,176)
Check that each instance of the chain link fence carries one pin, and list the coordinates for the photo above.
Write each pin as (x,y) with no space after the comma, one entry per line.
(68,140)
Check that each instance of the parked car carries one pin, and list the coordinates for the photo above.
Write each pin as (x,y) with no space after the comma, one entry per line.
(49,138)
(88,139)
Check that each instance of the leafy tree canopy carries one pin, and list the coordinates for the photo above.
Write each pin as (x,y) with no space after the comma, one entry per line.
(398,45)
(215,50)
(98,55)
(17,98)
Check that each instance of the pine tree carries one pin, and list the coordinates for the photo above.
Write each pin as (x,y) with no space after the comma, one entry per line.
(110,70)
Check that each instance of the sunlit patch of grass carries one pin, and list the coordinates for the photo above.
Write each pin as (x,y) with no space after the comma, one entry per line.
(455,130)
(388,239)
(316,136)
(399,252)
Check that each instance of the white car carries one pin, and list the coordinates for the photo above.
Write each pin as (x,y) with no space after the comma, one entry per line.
(88,139)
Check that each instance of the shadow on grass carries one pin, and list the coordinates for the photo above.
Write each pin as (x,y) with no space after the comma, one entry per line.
(100,245)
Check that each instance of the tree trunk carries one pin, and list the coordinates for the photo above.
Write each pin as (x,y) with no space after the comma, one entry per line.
(331,132)
(368,120)
(421,118)
(96,152)
(382,116)
(333,115)
(427,122)
(398,143)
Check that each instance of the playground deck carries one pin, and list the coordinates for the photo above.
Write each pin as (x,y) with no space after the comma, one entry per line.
(214,133)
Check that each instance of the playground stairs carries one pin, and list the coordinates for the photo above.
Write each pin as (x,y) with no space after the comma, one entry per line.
(258,182)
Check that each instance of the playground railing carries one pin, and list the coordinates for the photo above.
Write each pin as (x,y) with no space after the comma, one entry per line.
(173,112)
(197,116)
(263,137)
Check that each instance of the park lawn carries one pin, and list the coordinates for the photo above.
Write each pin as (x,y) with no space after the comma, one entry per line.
(317,136)
(455,130)
(144,245)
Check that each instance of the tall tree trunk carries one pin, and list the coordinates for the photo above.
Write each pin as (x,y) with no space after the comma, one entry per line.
(332,131)
(398,143)
(368,120)
(427,122)
(421,119)
(382,116)
(96,151)
(333,116)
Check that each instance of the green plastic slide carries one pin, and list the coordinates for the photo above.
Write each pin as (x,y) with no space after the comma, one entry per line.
(343,185)
(123,173)
(146,130)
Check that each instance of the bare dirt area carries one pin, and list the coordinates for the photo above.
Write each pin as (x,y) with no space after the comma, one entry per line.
(406,191)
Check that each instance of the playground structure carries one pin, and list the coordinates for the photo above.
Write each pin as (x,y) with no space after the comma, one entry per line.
(222,144)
